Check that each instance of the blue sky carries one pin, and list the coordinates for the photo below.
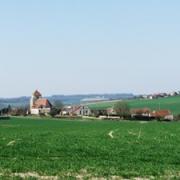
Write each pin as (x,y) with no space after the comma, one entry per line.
(92,46)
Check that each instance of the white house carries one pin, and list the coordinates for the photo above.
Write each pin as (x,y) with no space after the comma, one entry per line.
(76,110)
(82,111)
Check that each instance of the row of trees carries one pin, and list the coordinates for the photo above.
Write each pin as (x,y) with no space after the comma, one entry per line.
(5,111)
(18,111)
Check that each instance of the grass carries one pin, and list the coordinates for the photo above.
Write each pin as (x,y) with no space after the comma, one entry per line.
(170,103)
(71,149)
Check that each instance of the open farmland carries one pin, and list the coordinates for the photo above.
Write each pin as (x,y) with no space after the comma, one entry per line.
(170,103)
(52,149)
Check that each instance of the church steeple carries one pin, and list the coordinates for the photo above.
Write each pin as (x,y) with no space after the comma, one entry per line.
(35,96)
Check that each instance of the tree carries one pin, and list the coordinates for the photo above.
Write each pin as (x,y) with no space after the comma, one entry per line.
(54,111)
(19,111)
(9,109)
(122,109)
(58,104)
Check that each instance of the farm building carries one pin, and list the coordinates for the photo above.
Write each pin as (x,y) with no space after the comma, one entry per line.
(76,110)
(144,112)
(81,111)
(39,105)
(162,114)
(110,111)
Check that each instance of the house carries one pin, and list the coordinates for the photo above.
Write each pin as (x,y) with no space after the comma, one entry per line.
(39,105)
(76,110)
(99,112)
(151,97)
(81,111)
(110,111)
(174,93)
(66,111)
(146,113)
(141,113)
(162,114)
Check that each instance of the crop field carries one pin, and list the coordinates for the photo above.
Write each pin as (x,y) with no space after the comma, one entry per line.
(170,103)
(79,149)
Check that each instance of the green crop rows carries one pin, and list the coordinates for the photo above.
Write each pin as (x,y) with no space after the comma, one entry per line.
(71,149)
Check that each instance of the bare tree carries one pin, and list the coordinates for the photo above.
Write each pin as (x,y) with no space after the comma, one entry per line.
(122,109)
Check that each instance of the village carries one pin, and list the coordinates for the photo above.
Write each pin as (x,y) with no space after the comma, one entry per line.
(40,106)
(159,95)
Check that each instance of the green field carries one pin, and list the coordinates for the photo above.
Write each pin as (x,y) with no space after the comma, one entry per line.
(170,103)
(57,149)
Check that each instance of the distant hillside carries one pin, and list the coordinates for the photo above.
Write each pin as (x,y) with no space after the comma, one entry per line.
(170,103)
(14,102)
(66,99)
(76,99)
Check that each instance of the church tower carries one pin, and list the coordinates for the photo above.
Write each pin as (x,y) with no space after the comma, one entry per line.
(35,96)
(39,105)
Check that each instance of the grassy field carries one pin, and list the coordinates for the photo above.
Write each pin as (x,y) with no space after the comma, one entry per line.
(170,103)
(57,149)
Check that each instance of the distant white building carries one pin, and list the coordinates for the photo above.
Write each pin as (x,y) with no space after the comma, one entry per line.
(39,105)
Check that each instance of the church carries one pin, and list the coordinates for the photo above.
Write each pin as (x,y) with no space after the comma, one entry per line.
(39,105)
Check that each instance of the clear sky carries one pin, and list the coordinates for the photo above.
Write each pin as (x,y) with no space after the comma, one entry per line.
(89,46)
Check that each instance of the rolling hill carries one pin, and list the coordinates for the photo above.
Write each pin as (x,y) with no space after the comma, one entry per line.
(170,103)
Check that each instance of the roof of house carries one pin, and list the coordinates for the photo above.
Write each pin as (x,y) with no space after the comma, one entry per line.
(141,111)
(161,113)
(42,102)
(76,108)
(37,93)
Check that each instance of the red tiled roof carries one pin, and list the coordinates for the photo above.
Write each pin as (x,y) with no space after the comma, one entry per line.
(42,102)
(161,113)
(37,93)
